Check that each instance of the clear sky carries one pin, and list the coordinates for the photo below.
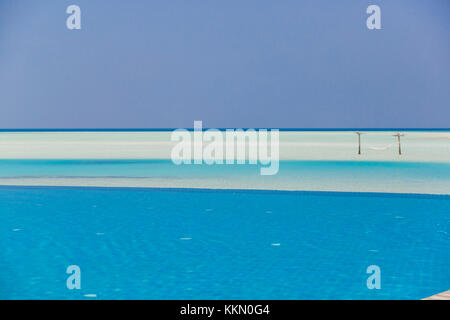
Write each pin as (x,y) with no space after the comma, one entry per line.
(230,63)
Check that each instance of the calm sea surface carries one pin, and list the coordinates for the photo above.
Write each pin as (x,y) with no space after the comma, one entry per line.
(367,176)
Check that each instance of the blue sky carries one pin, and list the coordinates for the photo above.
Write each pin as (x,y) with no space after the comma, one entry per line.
(281,64)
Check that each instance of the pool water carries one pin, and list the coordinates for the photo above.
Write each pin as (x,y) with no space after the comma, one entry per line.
(133,243)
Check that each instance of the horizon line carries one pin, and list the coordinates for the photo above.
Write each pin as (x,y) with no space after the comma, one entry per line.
(204,129)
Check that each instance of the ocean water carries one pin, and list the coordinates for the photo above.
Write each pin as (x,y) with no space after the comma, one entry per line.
(133,243)
(353,176)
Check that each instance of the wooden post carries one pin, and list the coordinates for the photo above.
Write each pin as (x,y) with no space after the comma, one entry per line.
(398,135)
(359,141)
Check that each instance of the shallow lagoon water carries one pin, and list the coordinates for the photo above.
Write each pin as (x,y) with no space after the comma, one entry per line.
(353,176)
(133,243)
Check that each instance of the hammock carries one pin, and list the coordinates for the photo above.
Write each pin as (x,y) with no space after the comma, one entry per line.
(381,148)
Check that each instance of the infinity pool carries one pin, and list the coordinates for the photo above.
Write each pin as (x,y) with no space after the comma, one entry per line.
(133,243)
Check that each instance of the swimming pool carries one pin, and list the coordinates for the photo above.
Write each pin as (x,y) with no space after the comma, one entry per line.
(133,243)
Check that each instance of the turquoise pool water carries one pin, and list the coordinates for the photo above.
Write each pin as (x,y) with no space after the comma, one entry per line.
(135,243)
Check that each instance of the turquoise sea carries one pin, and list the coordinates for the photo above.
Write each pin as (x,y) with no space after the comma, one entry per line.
(366,176)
